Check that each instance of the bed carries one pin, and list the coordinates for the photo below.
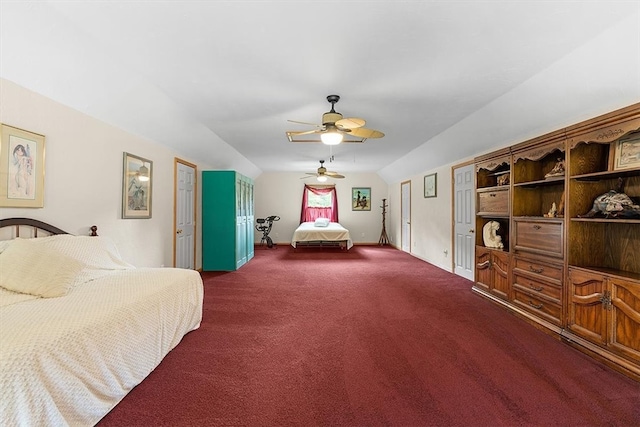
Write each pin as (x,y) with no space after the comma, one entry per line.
(70,357)
(321,233)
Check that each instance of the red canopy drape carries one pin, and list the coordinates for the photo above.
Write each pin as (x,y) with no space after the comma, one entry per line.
(310,214)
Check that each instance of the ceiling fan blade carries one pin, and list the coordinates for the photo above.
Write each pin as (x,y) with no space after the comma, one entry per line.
(334,175)
(305,123)
(292,133)
(366,133)
(350,123)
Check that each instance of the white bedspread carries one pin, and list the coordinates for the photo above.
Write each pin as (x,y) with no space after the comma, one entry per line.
(334,232)
(69,360)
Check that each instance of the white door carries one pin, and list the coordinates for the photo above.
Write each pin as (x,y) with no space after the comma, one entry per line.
(185,215)
(405,208)
(464,226)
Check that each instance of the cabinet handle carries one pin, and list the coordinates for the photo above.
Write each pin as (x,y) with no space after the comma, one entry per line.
(536,270)
(538,306)
(537,289)
(492,195)
(536,227)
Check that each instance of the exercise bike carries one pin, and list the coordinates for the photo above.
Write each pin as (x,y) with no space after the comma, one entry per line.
(264,225)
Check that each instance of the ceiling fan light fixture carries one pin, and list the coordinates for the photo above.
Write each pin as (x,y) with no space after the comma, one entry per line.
(331,137)
(322,178)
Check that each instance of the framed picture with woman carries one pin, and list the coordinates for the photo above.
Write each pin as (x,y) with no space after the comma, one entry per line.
(21,168)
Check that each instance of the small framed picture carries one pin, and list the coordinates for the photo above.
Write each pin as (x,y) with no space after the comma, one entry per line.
(361,198)
(136,187)
(627,153)
(21,168)
(431,185)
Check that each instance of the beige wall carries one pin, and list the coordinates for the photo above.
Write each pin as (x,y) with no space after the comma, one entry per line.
(281,194)
(83,176)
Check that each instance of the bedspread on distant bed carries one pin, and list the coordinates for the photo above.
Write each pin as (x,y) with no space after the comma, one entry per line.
(71,359)
(334,232)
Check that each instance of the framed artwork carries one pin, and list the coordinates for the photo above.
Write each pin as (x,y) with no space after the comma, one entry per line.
(136,187)
(431,185)
(361,198)
(21,168)
(627,154)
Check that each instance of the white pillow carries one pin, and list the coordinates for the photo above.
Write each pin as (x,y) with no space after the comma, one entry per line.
(95,252)
(28,268)
(322,222)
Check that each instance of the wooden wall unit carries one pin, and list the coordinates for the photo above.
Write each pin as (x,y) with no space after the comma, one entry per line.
(569,272)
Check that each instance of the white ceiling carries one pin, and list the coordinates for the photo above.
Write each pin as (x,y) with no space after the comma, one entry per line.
(218,80)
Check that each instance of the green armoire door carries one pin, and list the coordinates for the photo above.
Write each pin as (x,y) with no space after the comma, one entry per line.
(227,220)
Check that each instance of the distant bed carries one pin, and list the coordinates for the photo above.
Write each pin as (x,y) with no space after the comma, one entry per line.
(81,327)
(318,234)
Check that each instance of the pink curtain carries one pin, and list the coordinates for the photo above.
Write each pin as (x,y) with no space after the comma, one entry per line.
(310,214)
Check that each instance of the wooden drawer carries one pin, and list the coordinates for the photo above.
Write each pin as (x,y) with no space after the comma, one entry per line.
(538,288)
(495,201)
(539,236)
(539,270)
(544,309)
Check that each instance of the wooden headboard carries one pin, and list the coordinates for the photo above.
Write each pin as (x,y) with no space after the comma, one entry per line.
(32,227)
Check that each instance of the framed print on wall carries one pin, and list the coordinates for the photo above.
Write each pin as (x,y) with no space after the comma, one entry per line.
(431,185)
(21,168)
(136,187)
(627,154)
(361,199)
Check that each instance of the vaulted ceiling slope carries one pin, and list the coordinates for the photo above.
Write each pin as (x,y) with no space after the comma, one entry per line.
(219,80)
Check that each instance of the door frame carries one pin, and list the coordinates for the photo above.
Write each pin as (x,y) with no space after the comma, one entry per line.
(177,161)
(402,218)
(453,209)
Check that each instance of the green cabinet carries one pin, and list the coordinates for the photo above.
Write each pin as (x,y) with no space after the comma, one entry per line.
(227,220)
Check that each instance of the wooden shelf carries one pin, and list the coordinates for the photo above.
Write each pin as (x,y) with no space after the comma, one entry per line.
(494,188)
(556,180)
(493,215)
(608,220)
(597,176)
(610,271)
(539,218)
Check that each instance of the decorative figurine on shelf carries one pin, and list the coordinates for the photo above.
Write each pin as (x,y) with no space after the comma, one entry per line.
(613,204)
(504,179)
(490,235)
(558,169)
(553,212)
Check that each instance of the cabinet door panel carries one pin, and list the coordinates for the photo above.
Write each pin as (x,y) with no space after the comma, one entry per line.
(586,313)
(500,267)
(483,267)
(625,317)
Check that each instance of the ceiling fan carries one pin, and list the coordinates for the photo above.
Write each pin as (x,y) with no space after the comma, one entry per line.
(322,174)
(334,128)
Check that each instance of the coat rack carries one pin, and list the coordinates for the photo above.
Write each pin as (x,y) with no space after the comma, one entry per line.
(384,240)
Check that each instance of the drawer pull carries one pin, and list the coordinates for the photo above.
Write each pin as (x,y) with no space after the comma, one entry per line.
(492,195)
(535,288)
(537,306)
(537,227)
(536,270)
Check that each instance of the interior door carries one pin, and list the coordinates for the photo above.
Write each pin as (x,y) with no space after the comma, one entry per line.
(405,208)
(184,247)
(464,221)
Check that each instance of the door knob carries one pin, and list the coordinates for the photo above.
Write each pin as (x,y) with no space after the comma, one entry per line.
(472,231)
(179,231)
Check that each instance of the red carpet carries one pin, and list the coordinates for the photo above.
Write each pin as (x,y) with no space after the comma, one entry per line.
(372,337)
